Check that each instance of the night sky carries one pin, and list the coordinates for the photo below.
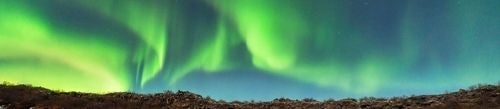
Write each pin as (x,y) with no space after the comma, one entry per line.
(252,49)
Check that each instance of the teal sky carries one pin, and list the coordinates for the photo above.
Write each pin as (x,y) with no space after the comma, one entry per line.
(251,49)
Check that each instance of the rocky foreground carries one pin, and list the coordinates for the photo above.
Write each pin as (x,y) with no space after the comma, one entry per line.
(25,96)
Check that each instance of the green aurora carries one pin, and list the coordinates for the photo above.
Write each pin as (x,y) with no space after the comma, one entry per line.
(356,47)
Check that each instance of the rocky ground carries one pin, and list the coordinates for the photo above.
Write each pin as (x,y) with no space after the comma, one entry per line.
(25,96)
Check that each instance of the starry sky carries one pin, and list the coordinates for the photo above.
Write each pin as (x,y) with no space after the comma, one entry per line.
(252,49)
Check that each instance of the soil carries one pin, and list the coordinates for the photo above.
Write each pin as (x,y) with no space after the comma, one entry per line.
(26,96)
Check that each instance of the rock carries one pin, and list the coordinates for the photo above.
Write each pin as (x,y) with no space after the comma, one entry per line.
(429,102)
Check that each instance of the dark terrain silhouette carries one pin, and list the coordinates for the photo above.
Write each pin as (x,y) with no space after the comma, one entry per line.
(26,96)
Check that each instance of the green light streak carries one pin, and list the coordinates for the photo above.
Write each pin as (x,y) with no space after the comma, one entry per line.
(209,57)
(273,31)
(149,21)
(264,31)
(36,54)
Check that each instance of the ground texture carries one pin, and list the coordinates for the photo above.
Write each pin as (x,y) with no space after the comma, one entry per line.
(25,96)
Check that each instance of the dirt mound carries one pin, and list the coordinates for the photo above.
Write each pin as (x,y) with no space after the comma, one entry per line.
(25,96)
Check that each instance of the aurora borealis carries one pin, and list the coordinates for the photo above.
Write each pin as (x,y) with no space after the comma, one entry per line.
(251,49)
